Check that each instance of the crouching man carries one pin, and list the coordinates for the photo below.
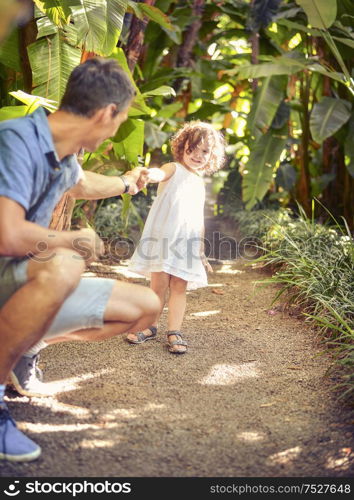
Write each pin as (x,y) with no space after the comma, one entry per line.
(43,297)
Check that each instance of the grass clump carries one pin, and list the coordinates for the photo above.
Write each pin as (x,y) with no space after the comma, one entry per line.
(314,266)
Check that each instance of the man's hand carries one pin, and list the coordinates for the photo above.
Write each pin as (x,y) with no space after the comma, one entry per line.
(88,244)
(137,178)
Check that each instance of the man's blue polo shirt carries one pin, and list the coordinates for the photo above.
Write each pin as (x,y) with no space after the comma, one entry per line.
(30,171)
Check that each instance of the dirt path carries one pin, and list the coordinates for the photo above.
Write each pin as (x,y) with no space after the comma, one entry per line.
(249,399)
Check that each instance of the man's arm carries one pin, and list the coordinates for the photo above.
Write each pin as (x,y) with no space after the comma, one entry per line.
(19,237)
(94,186)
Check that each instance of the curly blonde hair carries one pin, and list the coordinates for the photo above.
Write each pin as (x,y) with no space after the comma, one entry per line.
(195,132)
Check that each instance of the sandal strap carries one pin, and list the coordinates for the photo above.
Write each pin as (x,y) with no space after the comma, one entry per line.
(178,341)
(141,335)
(153,329)
(174,332)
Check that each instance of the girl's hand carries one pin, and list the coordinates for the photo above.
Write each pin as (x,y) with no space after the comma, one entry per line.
(208,267)
(137,178)
(206,264)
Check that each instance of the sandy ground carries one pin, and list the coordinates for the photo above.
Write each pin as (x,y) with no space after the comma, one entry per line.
(250,398)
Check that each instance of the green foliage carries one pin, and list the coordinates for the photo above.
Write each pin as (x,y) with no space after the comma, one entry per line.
(320,14)
(50,80)
(263,94)
(99,24)
(9,51)
(328,116)
(314,266)
(260,166)
(109,222)
(129,141)
(116,217)
(266,103)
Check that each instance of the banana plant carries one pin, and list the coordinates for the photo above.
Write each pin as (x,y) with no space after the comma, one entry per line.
(260,169)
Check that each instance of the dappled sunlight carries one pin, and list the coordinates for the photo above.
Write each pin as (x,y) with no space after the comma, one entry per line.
(227,269)
(284,457)
(123,270)
(153,407)
(130,413)
(215,285)
(39,428)
(342,460)
(251,436)
(73,383)
(91,444)
(203,314)
(230,374)
(56,406)
(124,413)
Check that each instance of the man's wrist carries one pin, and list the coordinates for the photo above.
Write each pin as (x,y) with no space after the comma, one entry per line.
(125,181)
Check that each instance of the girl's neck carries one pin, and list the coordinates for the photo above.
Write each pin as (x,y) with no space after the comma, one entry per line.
(195,172)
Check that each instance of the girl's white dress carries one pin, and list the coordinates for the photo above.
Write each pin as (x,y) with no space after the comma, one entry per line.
(171,239)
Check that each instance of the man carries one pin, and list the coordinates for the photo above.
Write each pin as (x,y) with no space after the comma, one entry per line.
(43,297)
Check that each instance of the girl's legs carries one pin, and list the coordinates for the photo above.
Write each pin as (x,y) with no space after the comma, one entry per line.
(176,308)
(159,284)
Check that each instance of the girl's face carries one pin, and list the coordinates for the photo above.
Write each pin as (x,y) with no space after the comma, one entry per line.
(198,158)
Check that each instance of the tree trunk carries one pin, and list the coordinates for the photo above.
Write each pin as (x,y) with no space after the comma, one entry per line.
(61,218)
(136,38)
(303,189)
(184,56)
(27,35)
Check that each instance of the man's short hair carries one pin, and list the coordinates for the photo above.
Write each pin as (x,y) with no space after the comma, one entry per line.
(95,84)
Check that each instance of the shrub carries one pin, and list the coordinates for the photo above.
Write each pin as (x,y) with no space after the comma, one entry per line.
(314,265)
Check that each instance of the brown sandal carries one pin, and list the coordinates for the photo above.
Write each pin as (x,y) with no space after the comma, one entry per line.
(177,342)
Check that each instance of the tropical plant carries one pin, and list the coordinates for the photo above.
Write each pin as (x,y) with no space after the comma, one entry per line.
(313,265)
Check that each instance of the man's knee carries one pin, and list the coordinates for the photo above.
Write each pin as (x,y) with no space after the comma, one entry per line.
(151,304)
(62,269)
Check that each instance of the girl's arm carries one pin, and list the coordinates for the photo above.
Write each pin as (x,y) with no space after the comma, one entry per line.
(202,254)
(161,174)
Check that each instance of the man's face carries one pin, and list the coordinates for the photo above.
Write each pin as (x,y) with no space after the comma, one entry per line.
(104,127)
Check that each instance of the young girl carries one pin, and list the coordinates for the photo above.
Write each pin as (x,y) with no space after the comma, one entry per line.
(171,251)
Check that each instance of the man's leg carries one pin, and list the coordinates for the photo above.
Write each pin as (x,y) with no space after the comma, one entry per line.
(97,309)
(27,315)
(23,321)
(129,308)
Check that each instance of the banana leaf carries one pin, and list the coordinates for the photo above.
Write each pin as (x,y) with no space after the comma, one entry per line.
(259,172)
(10,51)
(129,140)
(266,103)
(328,116)
(99,23)
(52,60)
(320,13)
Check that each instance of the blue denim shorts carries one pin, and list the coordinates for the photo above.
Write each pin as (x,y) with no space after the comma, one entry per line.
(83,309)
